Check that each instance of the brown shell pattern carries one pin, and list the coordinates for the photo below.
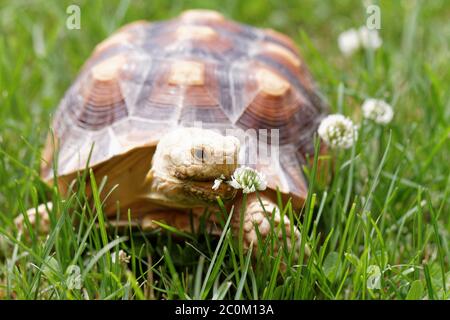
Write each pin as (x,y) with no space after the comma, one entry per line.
(148,78)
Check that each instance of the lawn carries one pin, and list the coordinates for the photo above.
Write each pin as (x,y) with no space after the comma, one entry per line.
(380,229)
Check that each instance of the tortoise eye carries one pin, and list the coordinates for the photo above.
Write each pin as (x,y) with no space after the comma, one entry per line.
(200,154)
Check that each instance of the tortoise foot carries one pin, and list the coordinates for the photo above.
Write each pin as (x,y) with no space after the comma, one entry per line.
(262,220)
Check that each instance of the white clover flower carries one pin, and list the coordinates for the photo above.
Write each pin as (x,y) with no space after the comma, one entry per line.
(248,179)
(338,131)
(352,40)
(122,256)
(218,182)
(349,42)
(370,39)
(378,111)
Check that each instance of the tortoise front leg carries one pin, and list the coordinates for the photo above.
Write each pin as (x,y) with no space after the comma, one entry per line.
(258,216)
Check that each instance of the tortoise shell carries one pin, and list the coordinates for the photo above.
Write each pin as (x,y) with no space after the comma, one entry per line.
(149,78)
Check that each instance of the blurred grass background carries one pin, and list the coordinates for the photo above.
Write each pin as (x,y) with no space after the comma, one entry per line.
(40,57)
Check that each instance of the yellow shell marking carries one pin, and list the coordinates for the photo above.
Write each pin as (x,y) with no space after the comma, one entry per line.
(285,53)
(271,83)
(108,69)
(195,32)
(197,14)
(188,73)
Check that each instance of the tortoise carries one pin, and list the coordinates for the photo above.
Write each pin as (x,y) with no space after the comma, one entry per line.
(155,100)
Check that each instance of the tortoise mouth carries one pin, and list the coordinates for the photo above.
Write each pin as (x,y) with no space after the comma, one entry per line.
(187,193)
(203,191)
(203,173)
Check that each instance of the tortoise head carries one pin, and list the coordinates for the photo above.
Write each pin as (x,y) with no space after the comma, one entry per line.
(186,163)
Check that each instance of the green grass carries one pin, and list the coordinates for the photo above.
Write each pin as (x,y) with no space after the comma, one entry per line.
(383,217)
